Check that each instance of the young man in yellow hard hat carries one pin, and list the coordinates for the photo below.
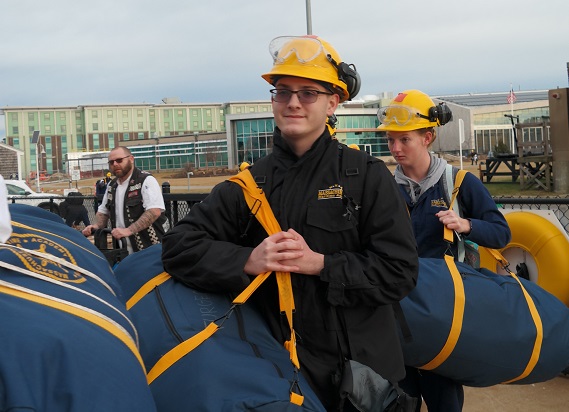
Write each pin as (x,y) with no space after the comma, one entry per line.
(346,237)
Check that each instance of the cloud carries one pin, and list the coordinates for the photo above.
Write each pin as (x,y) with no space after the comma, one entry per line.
(67,53)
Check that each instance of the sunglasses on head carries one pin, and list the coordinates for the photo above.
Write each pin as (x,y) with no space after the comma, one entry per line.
(117,161)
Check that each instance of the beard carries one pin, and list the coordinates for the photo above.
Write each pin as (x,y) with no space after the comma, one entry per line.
(125,170)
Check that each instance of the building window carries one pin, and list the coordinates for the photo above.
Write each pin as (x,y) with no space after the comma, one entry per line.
(77,115)
(208,112)
(14,129)
(94,114)
(78,128)
(61,115)
(95,126)
(125,113)
(125,136)
(152,126)
(63,128)
(110,114)
(31,129)
(194,113)
(31,117)
(180,125)
(140,125)
(47,116)
(139,113)
(180,113)
(125,125)
(166,125)
(152,113)
(166,113)
(140,136)
(110,126)
(208,124)
(196,125)
(238,110)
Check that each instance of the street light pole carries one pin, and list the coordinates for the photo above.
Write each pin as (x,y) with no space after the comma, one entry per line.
(196,135)
(38,164)
(308,18)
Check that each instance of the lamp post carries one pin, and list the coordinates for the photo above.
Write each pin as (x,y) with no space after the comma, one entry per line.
(156,145)
(196,162)
(38,164)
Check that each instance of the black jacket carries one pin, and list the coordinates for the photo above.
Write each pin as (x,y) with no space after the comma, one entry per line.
(73,211)
(370,257)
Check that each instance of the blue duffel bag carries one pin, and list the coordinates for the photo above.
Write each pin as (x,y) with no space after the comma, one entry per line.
(481,329)
(241,367)
(68,343)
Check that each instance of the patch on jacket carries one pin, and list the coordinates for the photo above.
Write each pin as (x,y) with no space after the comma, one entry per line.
(333,192)
(133,194)
(439,203)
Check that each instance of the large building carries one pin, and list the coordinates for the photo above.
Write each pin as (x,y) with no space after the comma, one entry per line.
(175,135)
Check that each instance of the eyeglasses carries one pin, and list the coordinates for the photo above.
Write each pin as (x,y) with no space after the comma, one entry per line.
(401,115)
(117,161)
(304,96)
(305,48)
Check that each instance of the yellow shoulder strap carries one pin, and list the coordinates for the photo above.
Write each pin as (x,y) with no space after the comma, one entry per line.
(259,206)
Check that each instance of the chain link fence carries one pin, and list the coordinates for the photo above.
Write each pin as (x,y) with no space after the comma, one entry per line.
(179,205)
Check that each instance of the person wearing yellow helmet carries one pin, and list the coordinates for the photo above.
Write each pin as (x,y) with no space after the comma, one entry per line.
(410,123)
(346,238)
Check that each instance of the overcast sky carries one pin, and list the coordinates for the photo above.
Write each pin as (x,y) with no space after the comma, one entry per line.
(69,52)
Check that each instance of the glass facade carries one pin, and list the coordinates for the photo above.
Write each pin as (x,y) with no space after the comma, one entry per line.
(495,129)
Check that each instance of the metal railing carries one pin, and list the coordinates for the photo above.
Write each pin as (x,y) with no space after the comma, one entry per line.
(178,205)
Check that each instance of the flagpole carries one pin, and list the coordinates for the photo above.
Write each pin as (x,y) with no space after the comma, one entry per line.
(514,149)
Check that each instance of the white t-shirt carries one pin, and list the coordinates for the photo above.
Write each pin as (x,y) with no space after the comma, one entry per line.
(151,199)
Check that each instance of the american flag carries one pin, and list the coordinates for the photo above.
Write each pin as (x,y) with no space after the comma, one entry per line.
(511,97)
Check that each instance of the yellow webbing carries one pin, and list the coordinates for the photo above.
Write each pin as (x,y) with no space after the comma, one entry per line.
(259,206)
(536,351)
(459,303)
(458,181)
(76,310)
(457,317)
(146,289)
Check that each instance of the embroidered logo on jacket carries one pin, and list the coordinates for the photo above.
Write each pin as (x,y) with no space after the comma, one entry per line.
(439,203)
(333,192)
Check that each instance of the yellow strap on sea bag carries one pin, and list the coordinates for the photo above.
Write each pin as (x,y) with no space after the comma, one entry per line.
(460,300)
(259,206)
(534,358)
(146,289)
(457,317)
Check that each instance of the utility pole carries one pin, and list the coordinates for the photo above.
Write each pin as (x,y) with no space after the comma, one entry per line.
(309,21)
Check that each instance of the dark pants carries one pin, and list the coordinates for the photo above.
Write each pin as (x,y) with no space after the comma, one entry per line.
(439,393)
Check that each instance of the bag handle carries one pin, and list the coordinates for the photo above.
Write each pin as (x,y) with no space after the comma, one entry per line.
(260,208)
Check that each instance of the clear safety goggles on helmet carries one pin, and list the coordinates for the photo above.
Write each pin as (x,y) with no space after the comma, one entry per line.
(400,115)
(305,48)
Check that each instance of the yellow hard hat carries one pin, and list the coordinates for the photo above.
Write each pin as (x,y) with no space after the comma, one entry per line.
(108,174)
(412,110)
(243,166)
(354,146)
(311,57)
